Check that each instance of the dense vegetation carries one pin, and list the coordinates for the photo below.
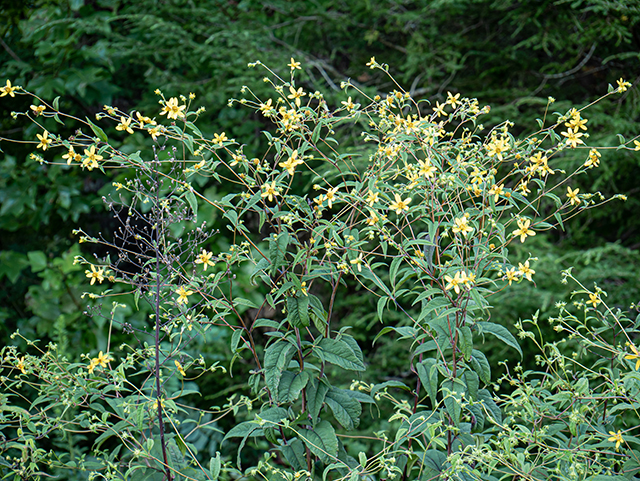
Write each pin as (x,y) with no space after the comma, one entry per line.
(525,59)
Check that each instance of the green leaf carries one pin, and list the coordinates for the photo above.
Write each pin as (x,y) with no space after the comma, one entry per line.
(298,311)
(276,360)
(452,401)
(489,405)
(465,341)
(321,440)
(471,380)
(214,466)
(480,365)
(433,463)
(56,103)
(501,333)
(345,408)
(339,352)
(97,130)
(428,374)
(291,384)
(316,393)
(294,453)
(193,202)
(12,264)
(277,249)
(38,260)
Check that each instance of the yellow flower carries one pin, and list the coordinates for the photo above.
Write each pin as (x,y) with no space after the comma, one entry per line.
(496,191)
(461,224)
(426,168)
(635,355)
(371,63)
(125,124)
(180,368)
(439,109)
(617,438)
(573,195)
(192,95)
(91,159)
(269,191)
(525,270)
(172,109)
(183,295)
(101,360)
(357,262)
(265,107)
(372,198)
(8,90)
(44,139)
(497,147)
(144,120)
(154,132)
(218,139)
(455,281)
(296,94)
(349,104)
(331,196)
(20,365)
(399,205)
(71,156)
(594,299)
(95,274)
(573,137)
(593,160)
(373,219)
(291,163)
(205,258)
(637,145)
(453,99)
(293,64)
(38,109)
(524,230)
(512,275)
(622,85)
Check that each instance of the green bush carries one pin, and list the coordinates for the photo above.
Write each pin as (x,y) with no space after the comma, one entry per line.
(428,214)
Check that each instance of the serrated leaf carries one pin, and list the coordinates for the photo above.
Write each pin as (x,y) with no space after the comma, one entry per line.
(97,130)
(276,360)
(295,455)
(480,365)
(316,393)
(321,440)
(501,333)
(345,408)
(298,311)
(338,352)
(291,385)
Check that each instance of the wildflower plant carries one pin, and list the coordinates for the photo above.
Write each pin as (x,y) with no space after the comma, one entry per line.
(421,217)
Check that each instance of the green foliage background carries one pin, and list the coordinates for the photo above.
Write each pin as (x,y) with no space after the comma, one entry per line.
(511,55)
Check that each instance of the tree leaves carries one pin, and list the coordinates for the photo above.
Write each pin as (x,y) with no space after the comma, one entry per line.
(341,352)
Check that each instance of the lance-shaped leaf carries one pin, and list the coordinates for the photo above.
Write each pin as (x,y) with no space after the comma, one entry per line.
(316,393)
(277,249)
(428,374)
(294,453)
(501,333)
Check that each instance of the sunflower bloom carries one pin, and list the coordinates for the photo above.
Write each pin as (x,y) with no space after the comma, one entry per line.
(617,438)
(172,110)
(205,258)
(291,163)
(183,295)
